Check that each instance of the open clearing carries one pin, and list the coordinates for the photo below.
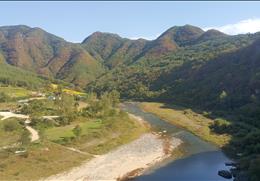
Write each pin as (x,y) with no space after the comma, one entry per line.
(15,92)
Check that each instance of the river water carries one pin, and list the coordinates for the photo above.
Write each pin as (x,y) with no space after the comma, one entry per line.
(200,162)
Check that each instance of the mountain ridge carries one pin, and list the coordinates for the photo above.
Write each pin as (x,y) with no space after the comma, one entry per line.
(36,50)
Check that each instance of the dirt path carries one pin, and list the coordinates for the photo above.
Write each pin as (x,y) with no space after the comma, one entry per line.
(50,117)
(7,115)
(139,154)
(31,99)
(34,134)
(82,105)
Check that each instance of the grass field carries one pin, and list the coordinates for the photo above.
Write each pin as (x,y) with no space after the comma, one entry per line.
(57,133)
(99,136)
(123,131)
(73,92)
(68,91)
(9,137)
(43,160)
(186,118)
(15,92)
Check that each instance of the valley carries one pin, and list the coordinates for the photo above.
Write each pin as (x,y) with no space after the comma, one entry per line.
(116,108)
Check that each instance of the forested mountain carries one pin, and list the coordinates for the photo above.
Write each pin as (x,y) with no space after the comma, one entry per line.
(113,50)
(230,81)
(35,50)
(153,76)
(140,69)
(101,55)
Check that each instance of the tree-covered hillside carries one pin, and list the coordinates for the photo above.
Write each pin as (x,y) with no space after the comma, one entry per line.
(38,51)
(112,49)
(149,77)
(10,75)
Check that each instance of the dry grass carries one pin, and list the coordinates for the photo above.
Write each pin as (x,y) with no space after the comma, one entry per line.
(42,161)
(193,122)
(8,105)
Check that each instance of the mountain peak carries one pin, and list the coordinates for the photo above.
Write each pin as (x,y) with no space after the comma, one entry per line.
(10,30)
(14,27)
(215,32)
(182,34)
(210,34)
(101,35)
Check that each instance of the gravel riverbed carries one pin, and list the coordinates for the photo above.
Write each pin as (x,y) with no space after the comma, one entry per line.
(139,154)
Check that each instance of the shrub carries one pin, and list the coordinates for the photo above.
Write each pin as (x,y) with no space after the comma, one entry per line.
(25,138)
(11,125)
(77,131)
(4,97)
(220,126)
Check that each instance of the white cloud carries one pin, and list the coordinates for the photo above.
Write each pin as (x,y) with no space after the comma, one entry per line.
(241,27)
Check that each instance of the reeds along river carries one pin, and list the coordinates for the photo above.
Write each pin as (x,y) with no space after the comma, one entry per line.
(201,160)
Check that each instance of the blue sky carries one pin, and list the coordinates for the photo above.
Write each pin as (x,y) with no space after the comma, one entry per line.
(74,21)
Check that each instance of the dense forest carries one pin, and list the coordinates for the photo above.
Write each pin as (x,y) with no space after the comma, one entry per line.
(10,75)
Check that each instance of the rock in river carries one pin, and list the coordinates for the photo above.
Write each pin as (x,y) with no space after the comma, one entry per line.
(225,173)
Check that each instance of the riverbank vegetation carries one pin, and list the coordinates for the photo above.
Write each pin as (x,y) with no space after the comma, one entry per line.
(196,123)
(238,139)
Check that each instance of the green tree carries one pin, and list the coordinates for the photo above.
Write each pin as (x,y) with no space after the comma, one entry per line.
(223,95)
(65,103)
(254,169)
(25,138)
(76,105)
(4,97)
(115,97)
(77,131)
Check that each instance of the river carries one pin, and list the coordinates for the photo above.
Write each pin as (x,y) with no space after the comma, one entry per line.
(201,160)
